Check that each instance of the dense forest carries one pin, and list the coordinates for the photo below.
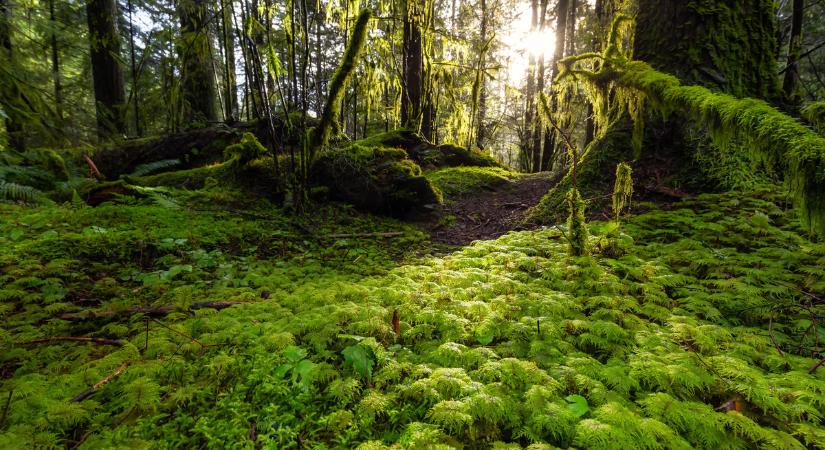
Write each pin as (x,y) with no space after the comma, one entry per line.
(412,224)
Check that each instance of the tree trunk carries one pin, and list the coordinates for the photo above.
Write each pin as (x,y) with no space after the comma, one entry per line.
(482,82)
(14,126)
(562,15)
(413,67)
(529,98)
(58,87)
(135,93)
(197,77)
(724,46)
(104,41)
(540,75)
(791,81)
(230,83)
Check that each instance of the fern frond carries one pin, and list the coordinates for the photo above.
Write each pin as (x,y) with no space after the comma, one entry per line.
(146,169)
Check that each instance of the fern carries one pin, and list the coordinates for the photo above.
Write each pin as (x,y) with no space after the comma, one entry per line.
(13,192)
(146,169)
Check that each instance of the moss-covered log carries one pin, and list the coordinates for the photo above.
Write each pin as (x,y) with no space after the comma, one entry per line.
(376,179)
(193,148)
(430,156)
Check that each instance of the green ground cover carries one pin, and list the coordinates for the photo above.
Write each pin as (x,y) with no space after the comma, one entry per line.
(663,337)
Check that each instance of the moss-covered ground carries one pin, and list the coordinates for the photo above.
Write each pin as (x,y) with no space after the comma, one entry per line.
(693,327)
(455,181)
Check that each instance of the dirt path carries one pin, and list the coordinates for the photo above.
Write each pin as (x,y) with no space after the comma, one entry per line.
(489,213)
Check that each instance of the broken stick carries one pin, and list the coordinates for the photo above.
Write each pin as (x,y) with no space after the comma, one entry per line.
(94,388)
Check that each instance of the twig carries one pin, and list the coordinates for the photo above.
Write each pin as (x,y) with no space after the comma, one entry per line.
(816,366)
(81,440)
(773,339)
(149,311)
(179,333)
(99,341)
(6,409)
(88,392)
(354,235)
(92,167)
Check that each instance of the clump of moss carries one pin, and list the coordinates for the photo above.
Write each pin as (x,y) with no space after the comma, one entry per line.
(455,181)
(244,151)
(576,226)
(378,179)
(622,189)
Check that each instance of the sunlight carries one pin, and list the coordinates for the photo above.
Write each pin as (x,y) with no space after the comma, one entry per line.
(539,43)
(522,44)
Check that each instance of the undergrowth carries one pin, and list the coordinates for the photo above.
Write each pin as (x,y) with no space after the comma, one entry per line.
(698,331)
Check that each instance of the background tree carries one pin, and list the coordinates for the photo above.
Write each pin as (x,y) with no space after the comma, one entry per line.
(104,44)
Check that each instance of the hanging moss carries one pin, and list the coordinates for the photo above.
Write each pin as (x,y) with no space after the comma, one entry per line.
(606,151)
(576,226)
(772,138)
(623,189)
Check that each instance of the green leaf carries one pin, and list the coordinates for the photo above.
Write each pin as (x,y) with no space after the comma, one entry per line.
(485,335)
(361,358)
(578,405)
(294,354)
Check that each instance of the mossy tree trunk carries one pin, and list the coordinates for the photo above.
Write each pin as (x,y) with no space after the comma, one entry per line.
(14,126)
(725,46)
(197,78)
(413,70)
(790,81)
(107,74)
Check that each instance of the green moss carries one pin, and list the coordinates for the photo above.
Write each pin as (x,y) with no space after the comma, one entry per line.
(769,137)
(814,113)
(725,46)
(499,344)
(376,179)
(456,181)
(608,150)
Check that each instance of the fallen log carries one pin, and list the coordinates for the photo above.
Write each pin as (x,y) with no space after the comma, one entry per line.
(94,388)
(93,340)
(156,311)
(194,148)
(364,235)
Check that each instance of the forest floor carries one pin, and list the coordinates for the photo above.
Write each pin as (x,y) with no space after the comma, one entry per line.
(186,324)
(487,211)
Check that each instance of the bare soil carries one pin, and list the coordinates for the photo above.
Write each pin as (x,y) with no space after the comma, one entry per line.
(489,213)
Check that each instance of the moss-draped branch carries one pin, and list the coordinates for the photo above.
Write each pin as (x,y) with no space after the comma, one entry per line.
(321,134)
(770,135)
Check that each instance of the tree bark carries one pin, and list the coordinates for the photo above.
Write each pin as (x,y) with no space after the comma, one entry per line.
(197,77)
(482,82)
(562,32)
(104,41)
(135,93)
(14,126)
(230,83)
(58,87)
(538,127)
(529,97)
(791,80)
(413,67)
